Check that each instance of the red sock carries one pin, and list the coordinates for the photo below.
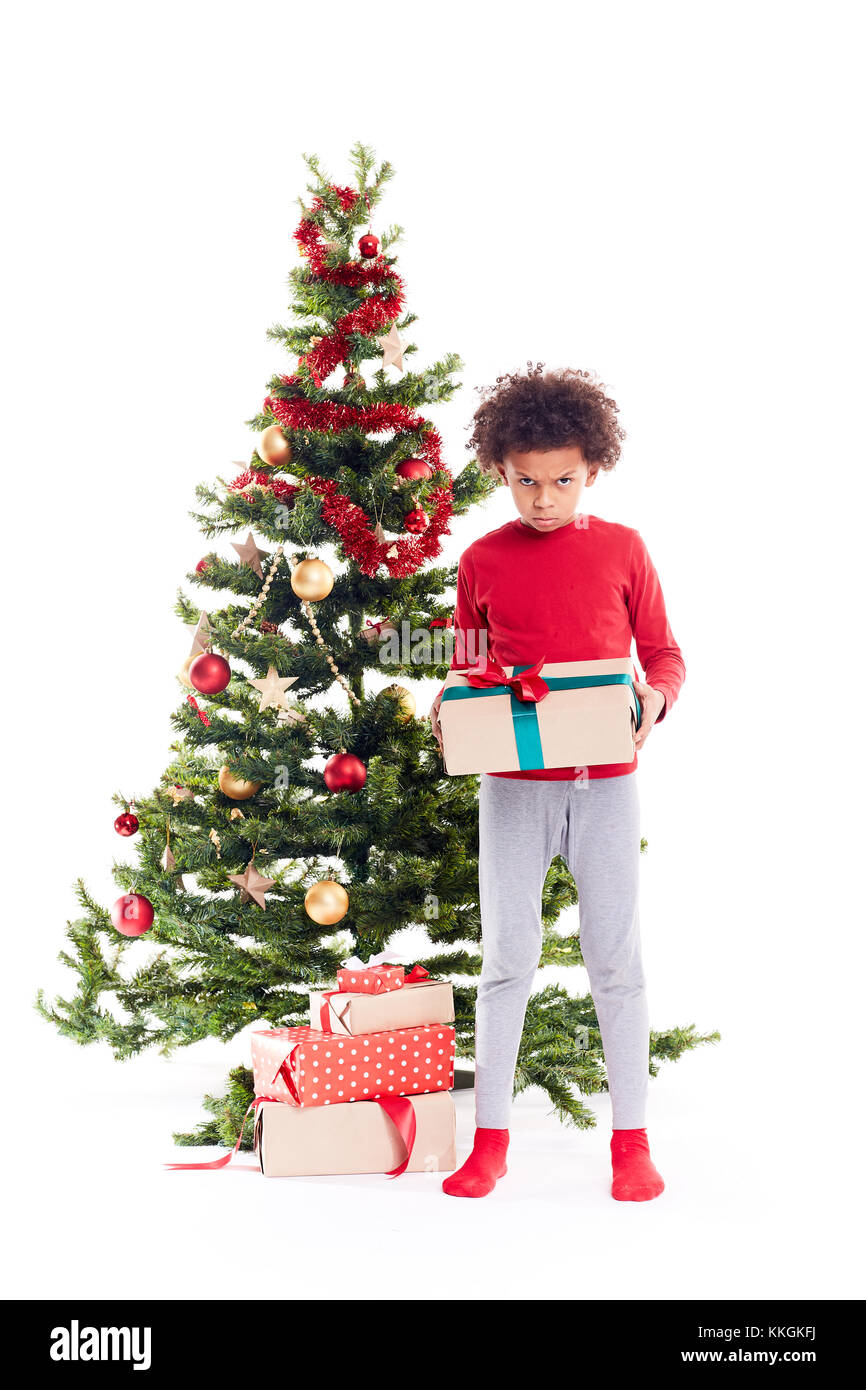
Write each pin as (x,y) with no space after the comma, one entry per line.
(484,1165)
(635,1176)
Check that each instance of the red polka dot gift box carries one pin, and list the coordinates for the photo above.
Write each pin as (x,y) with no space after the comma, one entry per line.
(370,979)
(305,1067)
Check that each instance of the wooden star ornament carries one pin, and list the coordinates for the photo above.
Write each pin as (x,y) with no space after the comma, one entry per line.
(179,794)
(251,555)
(392,348)
(273,689)
(292,714)
(252,884)
(201,635)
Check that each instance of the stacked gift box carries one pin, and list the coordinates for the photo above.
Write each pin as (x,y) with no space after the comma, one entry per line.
(366,1088)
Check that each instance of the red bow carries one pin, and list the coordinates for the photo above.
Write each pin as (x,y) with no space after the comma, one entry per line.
(201,714)
(305,361)
(526,685)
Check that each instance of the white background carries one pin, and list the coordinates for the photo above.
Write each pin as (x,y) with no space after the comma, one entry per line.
(666,194)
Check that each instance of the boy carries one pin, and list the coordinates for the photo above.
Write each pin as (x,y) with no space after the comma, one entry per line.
(571,587)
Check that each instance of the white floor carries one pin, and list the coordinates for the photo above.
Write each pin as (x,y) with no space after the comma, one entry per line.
(96,1215)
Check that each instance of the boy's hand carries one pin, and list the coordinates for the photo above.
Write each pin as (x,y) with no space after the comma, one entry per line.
(652,702)
(434,722)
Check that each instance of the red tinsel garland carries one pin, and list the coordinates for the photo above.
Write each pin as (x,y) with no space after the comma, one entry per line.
(353,526)
(348,519)
(351,273)
(348,197)
(331,417)
(374,313)
(334,348)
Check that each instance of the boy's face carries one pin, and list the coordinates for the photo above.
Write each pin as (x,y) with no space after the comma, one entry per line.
(546,487)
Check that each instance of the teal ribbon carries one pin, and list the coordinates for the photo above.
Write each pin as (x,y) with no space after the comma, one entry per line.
(524,713)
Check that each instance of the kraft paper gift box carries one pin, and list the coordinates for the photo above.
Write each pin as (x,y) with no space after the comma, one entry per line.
(518,718)
(427,1001)
(293,1142)
(305,1067)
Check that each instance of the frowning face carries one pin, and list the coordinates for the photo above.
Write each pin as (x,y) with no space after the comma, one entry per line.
(547,486)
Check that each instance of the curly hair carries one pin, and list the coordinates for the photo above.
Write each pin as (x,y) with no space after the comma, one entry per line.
(539,410)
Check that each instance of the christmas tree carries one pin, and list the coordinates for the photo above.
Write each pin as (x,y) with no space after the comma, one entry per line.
(306,815)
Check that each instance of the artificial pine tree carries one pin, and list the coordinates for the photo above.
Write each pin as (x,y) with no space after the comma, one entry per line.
(263,867)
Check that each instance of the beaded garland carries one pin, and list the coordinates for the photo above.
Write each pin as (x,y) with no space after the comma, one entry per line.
(308,614)
(262,595)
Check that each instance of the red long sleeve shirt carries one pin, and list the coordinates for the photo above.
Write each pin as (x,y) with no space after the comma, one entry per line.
(579,593)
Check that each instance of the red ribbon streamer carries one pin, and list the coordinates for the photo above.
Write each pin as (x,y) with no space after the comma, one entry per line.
(191,700)
(401,1112)
(305,361)
(227,1158)
(285,1071)
(325,1011)
(526,685)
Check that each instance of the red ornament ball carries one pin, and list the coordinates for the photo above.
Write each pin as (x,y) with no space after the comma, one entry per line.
(210,673)
(368,245)
(202,566)
(132,915)
(127,824)
(414,468)
(416,520)
(344,773)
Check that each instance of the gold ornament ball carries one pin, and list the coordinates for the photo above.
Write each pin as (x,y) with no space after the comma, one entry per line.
(183,673)
(312,579)
(236,787)
(273,448)
(326,902)
(404,698)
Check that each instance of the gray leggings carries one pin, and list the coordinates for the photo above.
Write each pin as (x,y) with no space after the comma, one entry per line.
(595,825)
